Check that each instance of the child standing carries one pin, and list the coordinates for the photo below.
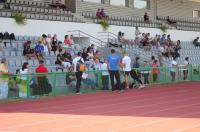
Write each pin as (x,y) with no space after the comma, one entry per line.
(155,70)
(105,76)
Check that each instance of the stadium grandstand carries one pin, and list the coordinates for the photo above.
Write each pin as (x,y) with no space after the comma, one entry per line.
(99,65)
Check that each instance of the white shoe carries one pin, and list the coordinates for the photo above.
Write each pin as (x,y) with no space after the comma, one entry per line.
(141,86)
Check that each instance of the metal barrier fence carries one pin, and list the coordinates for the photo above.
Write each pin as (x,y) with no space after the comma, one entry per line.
(55,84)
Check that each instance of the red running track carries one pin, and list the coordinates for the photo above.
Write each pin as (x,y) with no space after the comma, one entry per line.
(164,108)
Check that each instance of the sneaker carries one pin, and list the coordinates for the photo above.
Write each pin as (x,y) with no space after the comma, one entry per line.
(120,91)
(78,93)
(141,86)
(127,88)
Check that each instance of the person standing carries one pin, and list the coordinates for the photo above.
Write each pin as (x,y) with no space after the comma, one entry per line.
(105,76)
(126,63)
(78,63)
(44,87)
(4,79)
(185,70)
(24,77)
(113,65)
(97,68)
(137,35)
(173,69)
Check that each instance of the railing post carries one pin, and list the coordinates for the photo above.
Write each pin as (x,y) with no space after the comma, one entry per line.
(54,84)
(199,72)
(165,72)
(28,91)
(191,74)
(79,34)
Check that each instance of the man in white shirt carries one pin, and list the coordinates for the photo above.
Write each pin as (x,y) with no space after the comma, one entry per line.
(126,63)
(78,73)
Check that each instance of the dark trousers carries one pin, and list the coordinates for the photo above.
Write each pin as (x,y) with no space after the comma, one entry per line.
(155,76)
(135,76)
(78,80)
(146,78)
(173,75)
(105,82)
(117,77)
(185,74)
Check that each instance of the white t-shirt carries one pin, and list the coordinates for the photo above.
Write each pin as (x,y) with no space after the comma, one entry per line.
(75,60)
(127,61)
(104,68)
(45,48)
(25,71)
(186,63)
(173,64)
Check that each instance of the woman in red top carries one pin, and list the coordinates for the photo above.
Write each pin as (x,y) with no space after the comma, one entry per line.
(67,41)
(98,15)
(43,85)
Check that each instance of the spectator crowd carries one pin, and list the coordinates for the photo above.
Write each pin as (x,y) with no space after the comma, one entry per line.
(116,67)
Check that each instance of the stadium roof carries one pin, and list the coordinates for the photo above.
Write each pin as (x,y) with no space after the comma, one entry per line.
(195,0)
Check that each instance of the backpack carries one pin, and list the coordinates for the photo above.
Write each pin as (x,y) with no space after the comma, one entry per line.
(80,66)
(1,35)
(6,36)
(12,36)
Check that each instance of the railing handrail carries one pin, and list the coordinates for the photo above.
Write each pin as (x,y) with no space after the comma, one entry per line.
(93,71)
(90,36)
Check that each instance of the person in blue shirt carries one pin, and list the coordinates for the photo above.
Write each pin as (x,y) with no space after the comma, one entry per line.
(113,66)
(163,38)
(39,49)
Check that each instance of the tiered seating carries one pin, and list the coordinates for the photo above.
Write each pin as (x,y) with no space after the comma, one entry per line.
(37,10)
(124,21)
(13,52)
(189,50)
(184,23)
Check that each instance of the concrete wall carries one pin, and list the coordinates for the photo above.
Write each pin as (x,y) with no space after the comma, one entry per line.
(38,27)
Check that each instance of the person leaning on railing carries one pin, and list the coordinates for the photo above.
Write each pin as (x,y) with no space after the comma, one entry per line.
(4,73)
(23,80)
(43,85)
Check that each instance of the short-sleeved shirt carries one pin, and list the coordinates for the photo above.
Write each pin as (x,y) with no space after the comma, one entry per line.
(41,69)
(104,68)
(75,61)
(3,69)
(127,61)
(173,63)
(22,72)
(113,61)
(39,48)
